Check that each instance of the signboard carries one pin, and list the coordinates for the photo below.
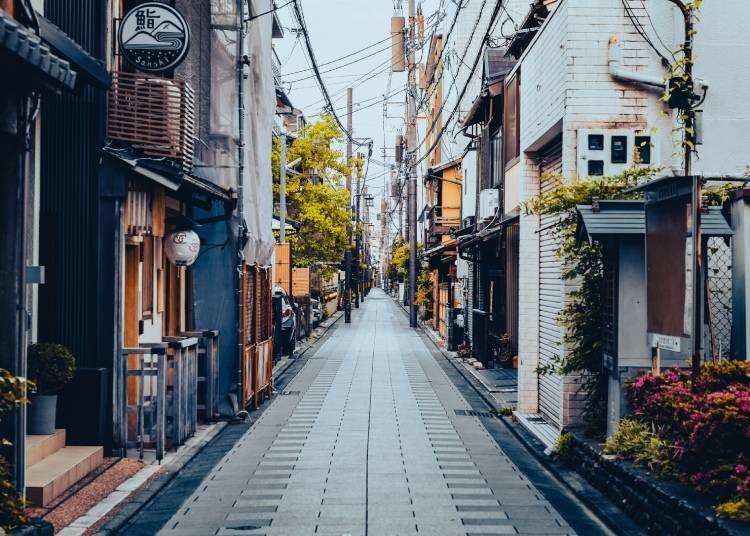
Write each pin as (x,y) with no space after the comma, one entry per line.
(300,282)
(154,37)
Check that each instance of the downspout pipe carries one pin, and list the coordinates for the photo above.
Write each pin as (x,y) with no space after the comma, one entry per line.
(618,71)
(240,406)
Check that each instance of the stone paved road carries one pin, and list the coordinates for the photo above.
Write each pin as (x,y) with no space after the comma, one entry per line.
(368,439)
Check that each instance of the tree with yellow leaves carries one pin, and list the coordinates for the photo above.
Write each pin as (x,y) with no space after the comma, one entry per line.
(318,198)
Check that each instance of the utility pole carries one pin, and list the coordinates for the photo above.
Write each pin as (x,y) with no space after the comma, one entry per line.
(690,137)
(411,161)
(348,253)
(282,189)
(358,246)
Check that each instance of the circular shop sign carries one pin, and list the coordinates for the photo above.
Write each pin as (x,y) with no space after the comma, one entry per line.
(154,37)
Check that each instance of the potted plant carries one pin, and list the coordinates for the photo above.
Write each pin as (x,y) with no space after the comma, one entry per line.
(50,367)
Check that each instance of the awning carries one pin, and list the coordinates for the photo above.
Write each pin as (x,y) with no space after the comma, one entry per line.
(84,64)
(475,115)
(442,249)
(22,45)
(629,218)
(169,177)
(445,165)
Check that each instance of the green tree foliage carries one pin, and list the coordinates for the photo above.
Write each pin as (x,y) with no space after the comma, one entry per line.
(12,395)
(318,199)
(399,261)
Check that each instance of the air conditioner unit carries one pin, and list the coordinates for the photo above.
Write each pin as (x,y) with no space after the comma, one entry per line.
(489,203)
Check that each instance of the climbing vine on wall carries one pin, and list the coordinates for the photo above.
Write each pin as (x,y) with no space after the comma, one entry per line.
(582,262)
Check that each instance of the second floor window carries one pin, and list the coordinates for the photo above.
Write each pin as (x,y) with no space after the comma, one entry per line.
(496,158)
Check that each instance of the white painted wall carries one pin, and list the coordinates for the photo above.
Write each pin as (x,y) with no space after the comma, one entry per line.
(566,86)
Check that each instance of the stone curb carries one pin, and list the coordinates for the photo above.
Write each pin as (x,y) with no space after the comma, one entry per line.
(660,507)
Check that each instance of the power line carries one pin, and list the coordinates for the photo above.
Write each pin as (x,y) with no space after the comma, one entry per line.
(311,54)
(439,136)
(638,28)
(342,57)
(340,66)
(276,8)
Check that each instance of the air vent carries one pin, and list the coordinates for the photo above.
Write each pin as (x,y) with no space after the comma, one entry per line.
(472,413)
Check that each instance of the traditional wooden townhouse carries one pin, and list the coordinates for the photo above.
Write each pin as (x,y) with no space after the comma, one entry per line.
(141,196)
(50,62)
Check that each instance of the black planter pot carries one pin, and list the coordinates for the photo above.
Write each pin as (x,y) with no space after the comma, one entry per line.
(41,414)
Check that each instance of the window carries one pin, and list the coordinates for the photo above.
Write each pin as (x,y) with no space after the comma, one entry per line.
(619,149)
(643,149)
(596,142)
(496,158)
(596,168)
(512,119)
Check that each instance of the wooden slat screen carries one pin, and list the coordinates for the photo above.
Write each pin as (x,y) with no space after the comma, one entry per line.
(153,114)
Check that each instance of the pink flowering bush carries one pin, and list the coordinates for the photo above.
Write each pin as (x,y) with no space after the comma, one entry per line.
(706,420)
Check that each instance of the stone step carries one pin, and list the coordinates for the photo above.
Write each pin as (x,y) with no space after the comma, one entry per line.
(39,447)
(50,477)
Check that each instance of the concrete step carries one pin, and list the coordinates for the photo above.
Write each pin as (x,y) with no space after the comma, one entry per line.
(39,447)
(50,477)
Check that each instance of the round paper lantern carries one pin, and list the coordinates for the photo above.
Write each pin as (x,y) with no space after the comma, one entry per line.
(182,247)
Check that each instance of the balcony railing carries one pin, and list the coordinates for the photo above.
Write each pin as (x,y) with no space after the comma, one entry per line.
(443,220)
(153,115)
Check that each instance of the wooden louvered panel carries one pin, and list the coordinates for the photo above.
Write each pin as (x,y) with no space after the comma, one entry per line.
(154,115)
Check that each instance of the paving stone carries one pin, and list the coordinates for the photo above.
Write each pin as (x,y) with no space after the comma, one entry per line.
(371,447)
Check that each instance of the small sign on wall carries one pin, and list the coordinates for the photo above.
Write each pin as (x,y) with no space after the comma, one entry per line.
(667,342)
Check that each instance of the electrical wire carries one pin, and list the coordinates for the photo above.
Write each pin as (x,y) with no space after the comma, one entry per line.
(332,69)
(440,134)
(342,57)
(276,8)
(311,55)
(496,10)
(641,31)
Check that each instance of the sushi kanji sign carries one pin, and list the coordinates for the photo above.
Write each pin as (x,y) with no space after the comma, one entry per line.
(154,37)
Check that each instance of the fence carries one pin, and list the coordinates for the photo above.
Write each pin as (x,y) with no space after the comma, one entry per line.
(257,363)
(208,372)
(719,287)
(159,399)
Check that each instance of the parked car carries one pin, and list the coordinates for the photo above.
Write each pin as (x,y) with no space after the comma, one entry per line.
(317,311)
(287,321)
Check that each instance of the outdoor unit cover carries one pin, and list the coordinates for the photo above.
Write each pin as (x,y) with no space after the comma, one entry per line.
(489,203)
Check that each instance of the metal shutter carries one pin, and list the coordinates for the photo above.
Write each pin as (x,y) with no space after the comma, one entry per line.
(550,296)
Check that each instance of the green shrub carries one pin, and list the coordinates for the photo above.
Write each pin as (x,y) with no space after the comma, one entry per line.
(563,450)
(639,442)
(737,510)
(12,395)
(12,514)
(50,367)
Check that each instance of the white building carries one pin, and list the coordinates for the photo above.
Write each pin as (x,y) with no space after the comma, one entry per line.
(580,115)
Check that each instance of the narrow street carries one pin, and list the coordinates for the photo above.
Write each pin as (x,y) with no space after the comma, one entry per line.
(369,439)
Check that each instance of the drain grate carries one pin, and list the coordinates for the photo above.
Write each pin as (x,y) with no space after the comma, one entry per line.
(289,393)
(472,413)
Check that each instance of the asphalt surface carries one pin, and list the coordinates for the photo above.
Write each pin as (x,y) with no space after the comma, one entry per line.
(375,435)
